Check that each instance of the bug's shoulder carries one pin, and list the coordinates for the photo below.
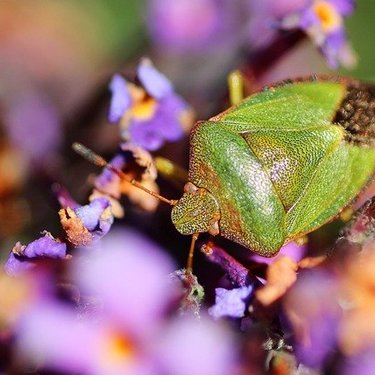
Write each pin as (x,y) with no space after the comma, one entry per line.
(302,103)
(286,105)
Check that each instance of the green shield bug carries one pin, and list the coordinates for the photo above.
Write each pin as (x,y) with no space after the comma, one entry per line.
(278,165)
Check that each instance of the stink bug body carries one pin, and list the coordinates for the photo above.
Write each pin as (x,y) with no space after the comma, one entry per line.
(276,166)
(280,164)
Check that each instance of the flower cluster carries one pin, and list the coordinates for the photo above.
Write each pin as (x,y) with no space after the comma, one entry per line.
(150,113)
(323,21)
(217,22)
(104,299)
(122,320)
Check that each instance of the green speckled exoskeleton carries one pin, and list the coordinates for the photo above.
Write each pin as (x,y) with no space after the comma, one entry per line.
(279,164)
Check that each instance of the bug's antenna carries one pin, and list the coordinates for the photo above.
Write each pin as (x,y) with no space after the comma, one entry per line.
(98,160)
(189,265)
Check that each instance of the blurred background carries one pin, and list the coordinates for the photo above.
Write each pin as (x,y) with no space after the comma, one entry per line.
(57,57)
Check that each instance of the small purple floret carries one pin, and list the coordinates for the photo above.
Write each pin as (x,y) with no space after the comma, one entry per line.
(164,125)
(15,265)
(92,217)
(331,40)
(230,303)
(90,213)
(44,247)
(152,113)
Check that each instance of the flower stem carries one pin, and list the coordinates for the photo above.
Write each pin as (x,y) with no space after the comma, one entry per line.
(237,273)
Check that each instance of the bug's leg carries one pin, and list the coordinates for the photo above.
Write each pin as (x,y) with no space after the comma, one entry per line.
(189,265)
(171,171)
(236,87)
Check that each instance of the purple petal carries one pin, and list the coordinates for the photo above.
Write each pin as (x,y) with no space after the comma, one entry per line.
(332,46)
(192,346)
(313,307)
(145,135)
(45,246)
(155,83)
(308,18)
(362,364)
(90,214)
(130,275)
(52,333)
(344,7)
(16,265)
(166,124)
(230,302)
(292,250)
(168,117)
(121,100)
(21,257)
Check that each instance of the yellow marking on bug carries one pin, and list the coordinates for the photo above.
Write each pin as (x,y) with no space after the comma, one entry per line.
(329,18)
(346,214)
(235,86)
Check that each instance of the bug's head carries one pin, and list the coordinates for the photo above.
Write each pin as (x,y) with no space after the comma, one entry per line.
(197,211)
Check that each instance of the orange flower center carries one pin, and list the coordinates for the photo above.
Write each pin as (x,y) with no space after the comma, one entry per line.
(144,110)
(118,349)
(329,18)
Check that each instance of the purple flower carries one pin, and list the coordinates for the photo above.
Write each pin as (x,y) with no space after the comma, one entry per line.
(23,257)
(128,330)
(230,302)
(323,21)
(262,16)
(164,126)
(187,26)
(314,312)
(292,250)
(149,114)
(118,273)
(191,346)
(86,224)
(363,364)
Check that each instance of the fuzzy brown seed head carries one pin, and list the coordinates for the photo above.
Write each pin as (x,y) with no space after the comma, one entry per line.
(356,114)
